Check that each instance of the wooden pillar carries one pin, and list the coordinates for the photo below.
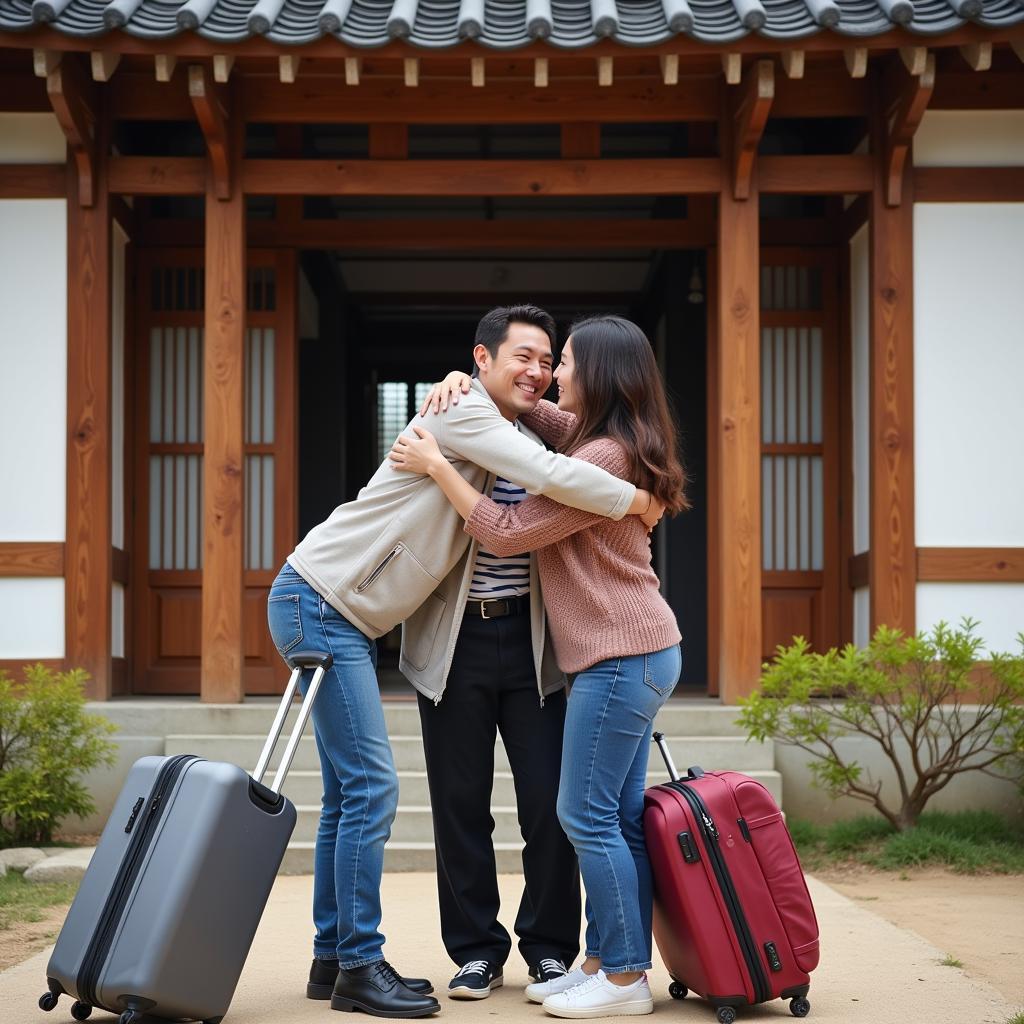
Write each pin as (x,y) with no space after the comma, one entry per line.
(223,656)
(892,559)
(88,554)
(738,433)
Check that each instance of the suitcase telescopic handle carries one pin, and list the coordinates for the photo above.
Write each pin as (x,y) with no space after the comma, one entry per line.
(696,772)
(299,661)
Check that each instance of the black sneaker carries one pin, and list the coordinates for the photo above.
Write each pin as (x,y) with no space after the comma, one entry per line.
(475,980)
(547,970)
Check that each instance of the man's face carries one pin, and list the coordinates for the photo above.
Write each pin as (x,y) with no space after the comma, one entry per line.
(520,373)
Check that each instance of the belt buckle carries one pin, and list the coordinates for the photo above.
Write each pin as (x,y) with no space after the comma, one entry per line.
(483,610)
(492,600)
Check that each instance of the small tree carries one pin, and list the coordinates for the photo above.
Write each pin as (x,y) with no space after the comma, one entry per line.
(905,694)
(48,741)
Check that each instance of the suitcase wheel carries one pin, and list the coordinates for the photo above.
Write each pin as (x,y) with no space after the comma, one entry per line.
(726,1015)
(48,1001)
(677,990)
(800,1007)
(81,1011)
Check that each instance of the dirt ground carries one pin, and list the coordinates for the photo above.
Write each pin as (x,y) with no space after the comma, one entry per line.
(977,919)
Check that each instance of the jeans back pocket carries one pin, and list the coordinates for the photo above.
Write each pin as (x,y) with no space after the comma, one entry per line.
(662,668)
(284,621)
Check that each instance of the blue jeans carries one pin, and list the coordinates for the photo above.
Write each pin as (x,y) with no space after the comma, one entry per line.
(608,728)
(360,785)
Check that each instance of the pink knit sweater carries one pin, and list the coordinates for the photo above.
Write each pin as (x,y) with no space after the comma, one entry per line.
(600,592)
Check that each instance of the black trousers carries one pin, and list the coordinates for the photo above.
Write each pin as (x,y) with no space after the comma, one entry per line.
(492,687)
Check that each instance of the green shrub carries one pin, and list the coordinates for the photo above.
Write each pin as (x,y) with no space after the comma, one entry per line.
(905,693)
(48,741)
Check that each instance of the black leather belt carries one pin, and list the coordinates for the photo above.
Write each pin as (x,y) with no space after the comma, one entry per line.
(498,607)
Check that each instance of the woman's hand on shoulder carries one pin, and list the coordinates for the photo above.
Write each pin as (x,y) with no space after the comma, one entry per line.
(420,454)
(455,384)
(653,515)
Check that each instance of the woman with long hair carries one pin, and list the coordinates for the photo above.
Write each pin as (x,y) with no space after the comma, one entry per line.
(611,630)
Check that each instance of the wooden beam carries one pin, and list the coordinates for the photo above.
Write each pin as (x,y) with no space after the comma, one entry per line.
(737,435)
(793,63)
(670,68)
(859,570)
(71,96)
(33,181)
(910,108)
(970,565)
(605,71)
(732,67)
(164,65)
(353,67)
(31,559)
(968,185)
(856,58)
(223,649)
(104,64)
(210,105)
(411,70)
(389,142)
(892,556)
(750,115)
(581,141)
(978,55)
(222,65)
(478,72)
(288,68)
(45,61)
(88,572)
(540,72)
(1018,48)
(156,176)
(914,58)
(815,175)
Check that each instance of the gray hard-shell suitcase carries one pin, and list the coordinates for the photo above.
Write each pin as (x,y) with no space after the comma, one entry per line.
(165,915)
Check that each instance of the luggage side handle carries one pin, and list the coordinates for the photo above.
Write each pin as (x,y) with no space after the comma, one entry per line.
(298,661)
(696,772)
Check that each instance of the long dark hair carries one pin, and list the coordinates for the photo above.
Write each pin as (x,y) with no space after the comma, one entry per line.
(620,394)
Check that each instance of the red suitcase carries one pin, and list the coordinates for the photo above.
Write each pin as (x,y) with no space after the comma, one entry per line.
(732,915)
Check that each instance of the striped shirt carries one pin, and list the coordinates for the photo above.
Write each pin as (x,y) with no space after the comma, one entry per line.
(495,577)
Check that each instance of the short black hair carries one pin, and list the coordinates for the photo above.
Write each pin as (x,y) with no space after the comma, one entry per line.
(493,327)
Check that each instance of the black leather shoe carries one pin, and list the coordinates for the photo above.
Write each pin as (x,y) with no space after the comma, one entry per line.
(378,989)
(324,973)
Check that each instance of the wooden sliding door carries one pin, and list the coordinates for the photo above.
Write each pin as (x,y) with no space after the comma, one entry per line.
(168,442)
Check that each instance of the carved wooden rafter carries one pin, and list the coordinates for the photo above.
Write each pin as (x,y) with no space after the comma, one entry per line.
(211,108)
(910,103)
(72,97)
(751,115)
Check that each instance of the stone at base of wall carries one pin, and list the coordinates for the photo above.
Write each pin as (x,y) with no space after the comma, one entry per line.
(66,866)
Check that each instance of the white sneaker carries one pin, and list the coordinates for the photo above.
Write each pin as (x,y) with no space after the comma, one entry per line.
(540,990)
(599,997)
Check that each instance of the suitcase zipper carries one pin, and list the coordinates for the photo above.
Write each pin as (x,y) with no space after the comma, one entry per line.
(762,990)
(103,936)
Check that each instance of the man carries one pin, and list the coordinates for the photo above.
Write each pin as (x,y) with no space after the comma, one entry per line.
(398,553)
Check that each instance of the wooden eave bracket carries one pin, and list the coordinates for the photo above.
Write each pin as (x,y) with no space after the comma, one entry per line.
(910,104)
(752,108)
(211,108)
(72,97)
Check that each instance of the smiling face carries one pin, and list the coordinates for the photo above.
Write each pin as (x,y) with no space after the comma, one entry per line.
(567,399)
(519,374)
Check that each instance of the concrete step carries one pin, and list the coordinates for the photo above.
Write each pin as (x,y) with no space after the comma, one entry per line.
(298,858)
(185,716)
(710,752)
(305,787)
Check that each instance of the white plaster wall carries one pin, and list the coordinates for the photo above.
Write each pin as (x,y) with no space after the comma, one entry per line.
(32,614)
(998,607)
(968,374)
(860,350)
(970,138)
(117,621)
(31,139)
(33,385)
(862,616)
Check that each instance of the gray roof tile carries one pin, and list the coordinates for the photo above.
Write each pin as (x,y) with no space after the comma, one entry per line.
(503,24)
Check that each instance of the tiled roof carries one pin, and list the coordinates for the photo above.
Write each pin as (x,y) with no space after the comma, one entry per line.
(503,24)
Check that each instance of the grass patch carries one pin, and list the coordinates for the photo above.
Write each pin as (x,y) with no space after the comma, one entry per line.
(950,961)
(1017,1018)
(970,842)
(22,902)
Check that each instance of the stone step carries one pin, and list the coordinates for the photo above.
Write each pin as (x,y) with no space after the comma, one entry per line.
(187,717)
(305,787)
(298,858)
(710,752)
